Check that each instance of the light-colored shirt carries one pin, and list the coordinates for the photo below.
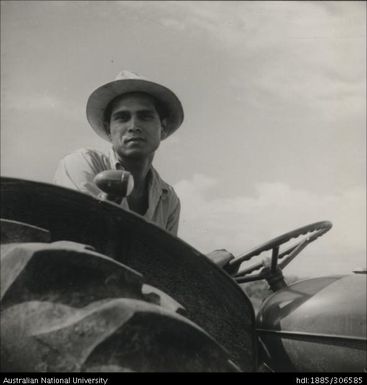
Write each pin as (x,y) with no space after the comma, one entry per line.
(77,171)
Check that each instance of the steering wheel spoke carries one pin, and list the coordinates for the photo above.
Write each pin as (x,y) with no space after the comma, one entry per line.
(249,270)
(250,278)
(296,250)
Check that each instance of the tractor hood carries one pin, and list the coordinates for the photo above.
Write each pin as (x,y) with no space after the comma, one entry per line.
(317,324)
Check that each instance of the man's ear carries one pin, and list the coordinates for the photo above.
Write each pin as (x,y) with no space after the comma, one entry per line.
(107,129)
(164,131)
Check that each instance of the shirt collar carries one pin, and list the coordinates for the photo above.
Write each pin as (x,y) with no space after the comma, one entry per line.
(115,164)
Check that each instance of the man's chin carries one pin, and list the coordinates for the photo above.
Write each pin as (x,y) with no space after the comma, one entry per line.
(135,154)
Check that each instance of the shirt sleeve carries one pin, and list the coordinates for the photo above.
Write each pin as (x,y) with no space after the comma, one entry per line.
(174,217)
(77,171)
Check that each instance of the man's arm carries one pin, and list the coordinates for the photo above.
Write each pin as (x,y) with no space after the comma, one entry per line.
(174,217)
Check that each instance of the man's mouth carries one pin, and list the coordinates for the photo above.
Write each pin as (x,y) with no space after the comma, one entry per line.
(134,139)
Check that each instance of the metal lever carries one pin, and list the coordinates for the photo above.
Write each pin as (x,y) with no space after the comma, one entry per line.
(115,184)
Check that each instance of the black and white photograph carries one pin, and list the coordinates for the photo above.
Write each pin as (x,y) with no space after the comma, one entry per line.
(183,189)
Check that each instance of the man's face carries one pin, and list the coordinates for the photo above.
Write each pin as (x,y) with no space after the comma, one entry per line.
(135,126)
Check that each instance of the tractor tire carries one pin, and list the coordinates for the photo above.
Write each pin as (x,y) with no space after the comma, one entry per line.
(67,308)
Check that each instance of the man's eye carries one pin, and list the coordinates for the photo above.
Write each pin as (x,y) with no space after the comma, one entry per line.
(122,117)
(146,115)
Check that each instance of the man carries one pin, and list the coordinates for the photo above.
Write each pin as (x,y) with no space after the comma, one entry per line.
(134,114)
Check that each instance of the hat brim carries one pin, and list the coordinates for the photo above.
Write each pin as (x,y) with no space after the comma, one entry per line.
(102,96)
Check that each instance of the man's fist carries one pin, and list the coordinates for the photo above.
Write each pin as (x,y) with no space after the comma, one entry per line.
(220,257)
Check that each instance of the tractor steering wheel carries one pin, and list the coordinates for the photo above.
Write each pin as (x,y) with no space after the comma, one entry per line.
(271,269)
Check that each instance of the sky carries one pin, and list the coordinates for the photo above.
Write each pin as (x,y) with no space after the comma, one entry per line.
(274,94)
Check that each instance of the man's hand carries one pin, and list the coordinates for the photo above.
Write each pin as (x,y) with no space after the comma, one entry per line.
(220,257)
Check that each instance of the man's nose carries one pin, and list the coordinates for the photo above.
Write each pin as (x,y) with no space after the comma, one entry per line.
(134,125)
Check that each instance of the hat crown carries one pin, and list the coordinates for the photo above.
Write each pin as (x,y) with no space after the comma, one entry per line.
(125,75)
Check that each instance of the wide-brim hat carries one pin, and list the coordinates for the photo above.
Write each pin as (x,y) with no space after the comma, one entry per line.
(127,82)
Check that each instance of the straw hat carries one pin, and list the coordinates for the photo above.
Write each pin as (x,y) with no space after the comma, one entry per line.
(127,82)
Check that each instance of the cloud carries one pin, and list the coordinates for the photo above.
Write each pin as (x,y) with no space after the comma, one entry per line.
(284,50)
(33,102)
(172,23)
(242,222)
(39,103)
(232,21)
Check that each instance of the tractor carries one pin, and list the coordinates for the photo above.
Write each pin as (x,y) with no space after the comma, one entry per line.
(89,287)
